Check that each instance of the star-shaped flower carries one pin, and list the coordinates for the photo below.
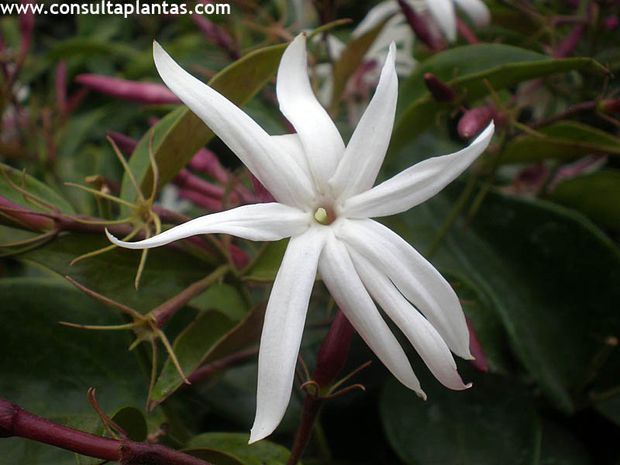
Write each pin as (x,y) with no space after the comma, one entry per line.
(325,200)
(441,11)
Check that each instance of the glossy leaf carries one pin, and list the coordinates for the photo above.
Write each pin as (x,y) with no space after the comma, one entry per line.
(564,140)
(51,367)
(209,337)
(32,186)
(493,422)
(595,195)
(167,271)
(236,447)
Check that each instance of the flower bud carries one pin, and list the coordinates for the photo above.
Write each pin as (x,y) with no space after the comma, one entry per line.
(474,121)
(610,105)
(480,360)
(334,351)
(133,91)
(440,91)
(205,161)
(420,27)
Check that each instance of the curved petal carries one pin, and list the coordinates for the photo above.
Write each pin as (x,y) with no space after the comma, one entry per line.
(443,13)
(422,335)
(366,150)
(346,288)
(258,222)
(414,277)
(319,136)
(376,16)
(476,10)
(283,328)
(292,148)
(288,183)
(417,183)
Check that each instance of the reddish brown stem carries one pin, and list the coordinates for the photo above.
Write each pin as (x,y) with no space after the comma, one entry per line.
(309,414)
(16,422)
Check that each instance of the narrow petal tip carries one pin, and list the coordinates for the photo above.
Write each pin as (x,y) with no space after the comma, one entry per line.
(119,243)
(258,433)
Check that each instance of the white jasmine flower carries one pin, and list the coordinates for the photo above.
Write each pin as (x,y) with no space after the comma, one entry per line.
(325,200)
(441,11)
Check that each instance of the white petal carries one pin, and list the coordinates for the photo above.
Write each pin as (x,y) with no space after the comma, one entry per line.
(414,276)
(442,12)
(476,10)
(422,335)
(288,183)
(291,146)
(319,136)
(283,328)
(366,150)
(258,222)
(417,183)
(346,288)
(376,16)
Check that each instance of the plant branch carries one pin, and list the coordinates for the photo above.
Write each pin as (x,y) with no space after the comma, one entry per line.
(16,422)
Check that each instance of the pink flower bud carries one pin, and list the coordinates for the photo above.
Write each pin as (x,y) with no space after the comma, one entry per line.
(420,27)
(26,26)
(133,91)
(610,105)
(217,35)
(23,216)
(334,351)
(611,23)
(474,121)
(189,181)
(440,91)
(205,161)
(480,360)
(201,200)
(570,42)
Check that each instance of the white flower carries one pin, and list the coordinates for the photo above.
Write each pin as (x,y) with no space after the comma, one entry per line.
(325,200)
(442,12)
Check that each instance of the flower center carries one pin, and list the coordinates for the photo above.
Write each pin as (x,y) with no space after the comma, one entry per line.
(324,215)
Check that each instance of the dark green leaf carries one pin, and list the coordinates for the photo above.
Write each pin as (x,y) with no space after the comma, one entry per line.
(236,445)
(564,140)
(595,195)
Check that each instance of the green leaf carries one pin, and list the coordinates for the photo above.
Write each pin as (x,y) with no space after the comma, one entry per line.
(133,423)
(51,367)
(167,272)
(595,195)
(236,446)
(178,136)
(266,266)
(224,298)
(492,422)
(33,187)
(564,140)
(548,273)
(209,337)
(472,71)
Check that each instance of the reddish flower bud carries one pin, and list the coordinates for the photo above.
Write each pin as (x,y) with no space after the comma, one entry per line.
(610,105)
(26,26)
(420,28)
(201,200)
(189,181)
(140,92)
(570,42)
(205,161)
(334,351)
(474,121)
(440,91)
(217,35)
(480,360)
(611,23)
(22,215)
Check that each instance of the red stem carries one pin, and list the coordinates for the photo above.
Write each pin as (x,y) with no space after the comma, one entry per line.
(14,421)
